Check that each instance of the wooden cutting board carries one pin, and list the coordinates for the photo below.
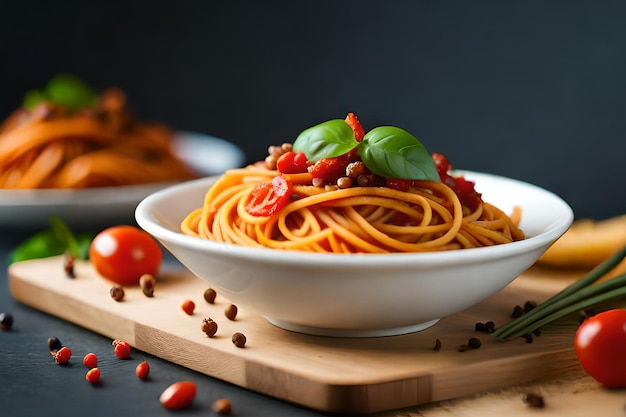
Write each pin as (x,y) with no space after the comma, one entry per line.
(327,374)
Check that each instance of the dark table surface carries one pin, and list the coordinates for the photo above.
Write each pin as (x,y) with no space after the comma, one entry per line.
(33,384)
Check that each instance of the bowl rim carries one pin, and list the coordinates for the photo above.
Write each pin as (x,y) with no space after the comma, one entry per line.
(147,221)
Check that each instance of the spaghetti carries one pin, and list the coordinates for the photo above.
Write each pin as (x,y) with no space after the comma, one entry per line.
(427,217)
(384,194)
(52,146)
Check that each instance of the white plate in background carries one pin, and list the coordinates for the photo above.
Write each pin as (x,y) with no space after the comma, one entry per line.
(93,208)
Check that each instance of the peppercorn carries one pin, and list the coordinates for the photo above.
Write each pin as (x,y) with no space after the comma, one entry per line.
(221,406)
(487,327)
(209,327)
(231,312)
(147,282)
(534,400)
(344,182)
(437,346)
(54,344)
(474,343)
(117,293)
(529,305)
(209,295)
(517,312)
(6,321)
(239,339)
(68,266)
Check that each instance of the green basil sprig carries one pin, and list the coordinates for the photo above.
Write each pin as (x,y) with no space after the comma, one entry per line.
(65,90)
(57,240)
(387,151)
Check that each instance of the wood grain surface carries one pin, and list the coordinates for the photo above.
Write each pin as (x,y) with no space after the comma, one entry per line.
(399,375)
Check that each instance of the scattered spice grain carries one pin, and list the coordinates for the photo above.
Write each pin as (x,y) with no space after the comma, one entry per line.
(63,355)
(222,406)
(231,312)
(68,266)
(121,348)
(147,282)
(142,370)
(518,311)
(209,327)
(529,305)
(209,295)
(188,307)
(239,339)
(54,344)
(6,321)
(93,376)
(474,343)
(90,360)
(117,293)
(534,400)
(437,346)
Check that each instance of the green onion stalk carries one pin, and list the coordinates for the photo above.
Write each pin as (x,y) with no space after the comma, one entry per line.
(579,296)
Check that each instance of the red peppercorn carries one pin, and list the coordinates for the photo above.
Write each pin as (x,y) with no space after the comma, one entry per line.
(142,370)
(93,375)
(178,395)
(188,307)
(90,360)
(63,355)
(121,348)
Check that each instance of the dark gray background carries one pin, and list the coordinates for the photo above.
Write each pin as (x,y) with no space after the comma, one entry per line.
(532,90)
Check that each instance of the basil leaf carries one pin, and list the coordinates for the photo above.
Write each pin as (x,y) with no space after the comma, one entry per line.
(70,92)
(41,245)
(32,98)
(54,241)
(392,152)
(65,90)
(326,140)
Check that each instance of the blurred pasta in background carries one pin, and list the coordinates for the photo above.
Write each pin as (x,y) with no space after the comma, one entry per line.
(68,136)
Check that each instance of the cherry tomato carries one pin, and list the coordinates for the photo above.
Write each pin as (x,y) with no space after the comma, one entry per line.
(600,343)
(292,163)
(268,197)
(178,395)
(124,253)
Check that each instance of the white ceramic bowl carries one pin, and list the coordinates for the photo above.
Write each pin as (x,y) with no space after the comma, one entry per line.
(360,295)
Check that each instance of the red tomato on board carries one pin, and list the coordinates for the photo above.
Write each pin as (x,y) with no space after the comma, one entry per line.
(600,345)
(269,197)
(124,253)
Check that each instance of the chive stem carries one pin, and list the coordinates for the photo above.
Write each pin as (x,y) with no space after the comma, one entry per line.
(579,295)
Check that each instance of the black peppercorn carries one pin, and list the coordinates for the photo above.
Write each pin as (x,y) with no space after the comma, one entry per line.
(534,400)
(6,321)
(54,344)
(474,343)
